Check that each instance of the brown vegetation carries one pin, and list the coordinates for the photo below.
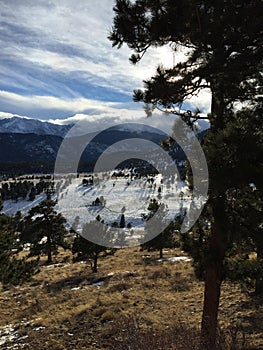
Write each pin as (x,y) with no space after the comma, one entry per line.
(133,302)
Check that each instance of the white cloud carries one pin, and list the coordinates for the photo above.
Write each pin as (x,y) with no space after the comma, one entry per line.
(79,25)
(42,41)
(50,102)
(97,113)
(4,115)
(202,101)
(103,119)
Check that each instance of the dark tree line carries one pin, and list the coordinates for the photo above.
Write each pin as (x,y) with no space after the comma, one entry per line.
(25,189)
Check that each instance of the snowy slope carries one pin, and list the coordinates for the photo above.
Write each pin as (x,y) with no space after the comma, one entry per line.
(121,195)
(75,201)
(31,126)
(10,207)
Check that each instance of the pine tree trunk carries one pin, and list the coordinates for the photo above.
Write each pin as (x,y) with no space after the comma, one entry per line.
(95,263)
(49,253)
(259,286)
(161,253)
(213,278)
(49,257)
(217,109)
(259,280)
(218,240)
(210,309)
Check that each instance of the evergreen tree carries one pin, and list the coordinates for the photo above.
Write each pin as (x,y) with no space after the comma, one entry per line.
(162,240)
(88,250)
(120,238)
(122,221)
(237,172)
(119,233)
(224,43)
(45,230)
(129,225)
(32,194)
(13,270)
(115,224)
(242,143)
(75,224)
(17,222)
(5,193)
(85,182)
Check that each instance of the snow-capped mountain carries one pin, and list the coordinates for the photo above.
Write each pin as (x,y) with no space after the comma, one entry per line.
(33,144)
(20,125)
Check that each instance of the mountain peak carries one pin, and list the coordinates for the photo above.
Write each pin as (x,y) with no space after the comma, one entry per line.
(23,125)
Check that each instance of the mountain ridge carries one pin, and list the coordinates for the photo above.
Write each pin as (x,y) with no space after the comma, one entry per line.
(36,143)
(22,125)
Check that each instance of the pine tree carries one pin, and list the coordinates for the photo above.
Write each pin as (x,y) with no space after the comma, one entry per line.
(75,224)
(224,43)
(122,221)
(17,222)
(165,239)
(88,250)
(244,138)
(129,225)
(153,239)
(32,194)
(13,270)
(120,235)
(45,230)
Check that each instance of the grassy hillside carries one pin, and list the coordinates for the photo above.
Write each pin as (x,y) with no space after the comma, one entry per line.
(133,302)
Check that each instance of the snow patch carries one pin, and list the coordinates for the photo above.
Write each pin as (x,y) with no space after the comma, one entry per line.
(175,258)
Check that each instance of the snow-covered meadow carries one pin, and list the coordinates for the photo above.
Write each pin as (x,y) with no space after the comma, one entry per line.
(10,207)
(129,195)
(123,195)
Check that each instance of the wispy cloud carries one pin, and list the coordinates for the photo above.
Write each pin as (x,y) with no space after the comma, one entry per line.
(55,58)
(50,106)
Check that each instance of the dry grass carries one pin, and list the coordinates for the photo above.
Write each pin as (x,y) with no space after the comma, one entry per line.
(62,309)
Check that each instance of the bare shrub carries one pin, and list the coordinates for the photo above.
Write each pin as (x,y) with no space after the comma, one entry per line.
(127,333)
(119,287)
(181,282)
(232,338)
(160,273)
(98,311)
(107,316)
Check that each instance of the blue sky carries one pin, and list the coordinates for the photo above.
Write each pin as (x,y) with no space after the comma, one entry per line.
(56,61)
